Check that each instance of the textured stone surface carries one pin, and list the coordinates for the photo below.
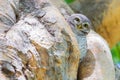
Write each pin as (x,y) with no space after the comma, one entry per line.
(44,48)
(7,14)
(39,48)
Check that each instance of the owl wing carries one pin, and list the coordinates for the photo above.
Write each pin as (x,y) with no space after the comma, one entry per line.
(86,67)
(101,67)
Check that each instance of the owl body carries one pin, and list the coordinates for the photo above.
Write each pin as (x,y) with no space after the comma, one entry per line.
(80,25)
(82,42)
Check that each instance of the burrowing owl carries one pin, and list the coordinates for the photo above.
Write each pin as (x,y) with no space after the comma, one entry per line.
(80,25)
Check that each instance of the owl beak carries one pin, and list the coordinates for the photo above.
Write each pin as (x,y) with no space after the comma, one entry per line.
(79,27)
(86,31)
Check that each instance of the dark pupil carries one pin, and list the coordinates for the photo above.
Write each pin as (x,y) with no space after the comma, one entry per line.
(77,19)
(85,25)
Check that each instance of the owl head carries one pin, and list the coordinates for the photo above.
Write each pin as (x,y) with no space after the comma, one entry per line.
(80,24)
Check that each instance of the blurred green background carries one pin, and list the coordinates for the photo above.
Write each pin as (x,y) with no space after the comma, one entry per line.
(69,1)
(115,50)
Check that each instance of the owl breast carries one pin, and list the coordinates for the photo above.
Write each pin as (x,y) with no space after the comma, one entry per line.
(82,41)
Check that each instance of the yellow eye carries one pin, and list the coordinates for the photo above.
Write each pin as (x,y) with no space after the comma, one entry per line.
(76,20)
(86,24)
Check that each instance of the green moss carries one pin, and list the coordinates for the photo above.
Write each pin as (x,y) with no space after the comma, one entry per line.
(116,53)
(69,1)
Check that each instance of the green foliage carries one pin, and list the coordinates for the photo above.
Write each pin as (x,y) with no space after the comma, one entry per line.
(69,1)
(116,53)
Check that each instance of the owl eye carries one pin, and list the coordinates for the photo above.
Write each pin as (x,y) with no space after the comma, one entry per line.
(76,20)
(85,25)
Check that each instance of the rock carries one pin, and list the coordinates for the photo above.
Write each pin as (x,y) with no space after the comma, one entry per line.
(42,48)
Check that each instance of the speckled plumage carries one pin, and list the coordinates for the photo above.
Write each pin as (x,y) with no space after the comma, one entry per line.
(76,22)
(82,41)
